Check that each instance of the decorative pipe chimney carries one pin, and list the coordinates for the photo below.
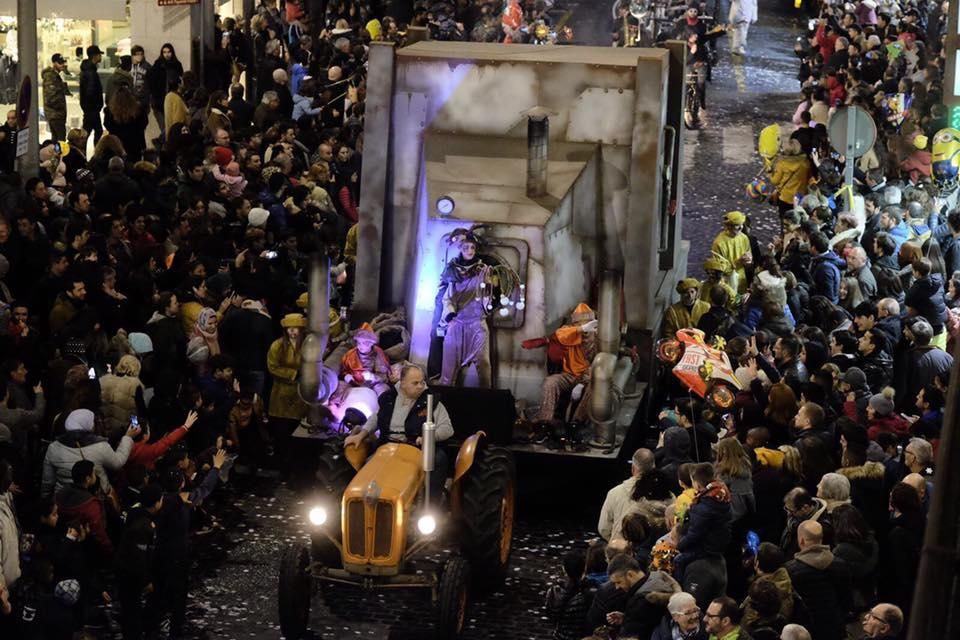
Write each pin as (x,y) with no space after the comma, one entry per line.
(538,148)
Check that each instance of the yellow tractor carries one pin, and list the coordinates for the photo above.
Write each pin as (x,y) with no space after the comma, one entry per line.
(374,516)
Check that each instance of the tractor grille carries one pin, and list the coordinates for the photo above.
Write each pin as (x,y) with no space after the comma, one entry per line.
(382,528)
(355,528)
(383,531)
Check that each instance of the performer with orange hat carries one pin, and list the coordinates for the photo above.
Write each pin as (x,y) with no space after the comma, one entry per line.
(366,364)
(578,341)
(512,21)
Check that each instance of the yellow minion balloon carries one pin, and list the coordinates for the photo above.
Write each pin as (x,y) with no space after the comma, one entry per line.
(946,159)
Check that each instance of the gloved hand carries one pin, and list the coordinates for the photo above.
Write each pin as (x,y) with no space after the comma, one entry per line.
(450,316)
(589,327)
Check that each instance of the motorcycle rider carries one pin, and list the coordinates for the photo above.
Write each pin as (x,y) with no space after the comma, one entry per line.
(698,51)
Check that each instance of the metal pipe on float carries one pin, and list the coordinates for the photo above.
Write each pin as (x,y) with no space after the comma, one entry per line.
(608,374)
(313,383)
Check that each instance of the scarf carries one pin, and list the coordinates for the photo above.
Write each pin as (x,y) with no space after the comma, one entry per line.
(254,305)
(210,338)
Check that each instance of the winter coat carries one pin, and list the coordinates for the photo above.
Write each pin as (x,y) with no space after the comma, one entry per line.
(74,446)
(283,362)
(169,344)
(791,175)
(900,552)
(707,528)
(301,107)
(826,270)
(619,504)
(647,604)
(247,336)
(567,606)
(743,504)
(862,561)
(91,89)
(925,298)
(54,95)
(923,365)
(118,397)
(9,542)
(79,504)
(159,77)
(131,133)
(147,454)
(606,599)
(878,367)
(174,111)
(781,580)
(218,120)
(664,631)
(21,419)
(868,492)
(823,582)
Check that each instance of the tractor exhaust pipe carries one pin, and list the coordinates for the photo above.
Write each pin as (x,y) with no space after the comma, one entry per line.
(428,447)
(538,150)
(315,380)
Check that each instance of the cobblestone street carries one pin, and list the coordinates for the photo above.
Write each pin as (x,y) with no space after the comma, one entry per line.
(234,595)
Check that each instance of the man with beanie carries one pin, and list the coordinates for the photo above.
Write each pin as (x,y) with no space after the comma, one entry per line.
(77,502)
(55,94)
(853,384)
(687,312)
(81,443)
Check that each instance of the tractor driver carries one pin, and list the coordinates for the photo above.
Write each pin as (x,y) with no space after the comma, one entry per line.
(400,417)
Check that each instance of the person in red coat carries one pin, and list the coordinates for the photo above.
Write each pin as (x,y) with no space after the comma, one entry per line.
(147,453)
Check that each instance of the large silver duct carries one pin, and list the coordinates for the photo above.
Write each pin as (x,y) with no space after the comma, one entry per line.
(315,380)
(608,373)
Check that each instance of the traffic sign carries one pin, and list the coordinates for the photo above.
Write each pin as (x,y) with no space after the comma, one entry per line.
(852,131)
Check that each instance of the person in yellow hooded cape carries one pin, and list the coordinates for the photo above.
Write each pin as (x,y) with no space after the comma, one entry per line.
(718,272)
(578,342)
(733,245)
(687,312)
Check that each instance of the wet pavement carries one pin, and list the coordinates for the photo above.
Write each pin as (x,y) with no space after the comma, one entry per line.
(234,585)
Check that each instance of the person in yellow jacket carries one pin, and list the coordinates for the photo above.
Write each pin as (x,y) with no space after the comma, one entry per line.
(733,245)
(687,312)
(718,272)
(174,109)
(791,174)
(577,341)
(283,363)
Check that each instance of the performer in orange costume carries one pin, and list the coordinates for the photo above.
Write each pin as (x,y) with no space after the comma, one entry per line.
(578,341)
(512,20)
(366,365)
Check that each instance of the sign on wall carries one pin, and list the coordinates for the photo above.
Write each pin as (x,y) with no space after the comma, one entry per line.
(173,3)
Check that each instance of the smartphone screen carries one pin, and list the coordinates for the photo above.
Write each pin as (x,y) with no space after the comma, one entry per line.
(134,421)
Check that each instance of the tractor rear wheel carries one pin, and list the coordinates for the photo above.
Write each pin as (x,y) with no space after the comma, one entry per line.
(293,594)
(453,598)
(486,518)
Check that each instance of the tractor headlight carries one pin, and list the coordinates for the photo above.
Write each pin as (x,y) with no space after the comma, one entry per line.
(318,516)
(427,524)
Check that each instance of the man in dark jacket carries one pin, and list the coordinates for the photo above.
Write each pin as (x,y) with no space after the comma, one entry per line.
(875,359)
(786,354)
(91,92)
(647,597)
(826,268)
(822,581)
(700,567)
(169,343)
(246,334)
(925,296)
(115,188)
(55,94)
(921,363)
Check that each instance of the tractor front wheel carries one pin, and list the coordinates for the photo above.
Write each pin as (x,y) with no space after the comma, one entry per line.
(293,596)
(453,598)
(486,517)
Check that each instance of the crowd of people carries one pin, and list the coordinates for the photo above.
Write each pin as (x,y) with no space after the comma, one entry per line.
(153,302)
(800,510)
